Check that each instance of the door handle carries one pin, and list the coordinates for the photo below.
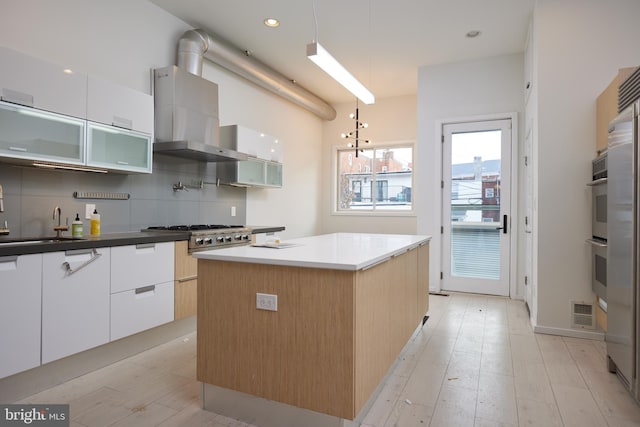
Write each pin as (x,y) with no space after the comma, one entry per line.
(504,224)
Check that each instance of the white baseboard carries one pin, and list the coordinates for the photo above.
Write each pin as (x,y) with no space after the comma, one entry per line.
(574,333)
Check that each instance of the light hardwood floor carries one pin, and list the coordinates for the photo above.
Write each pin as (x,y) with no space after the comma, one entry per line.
(475,363)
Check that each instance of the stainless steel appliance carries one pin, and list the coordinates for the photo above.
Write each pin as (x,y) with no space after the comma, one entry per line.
(598,238)
(211,236)
(599,199)
(622,248)
(186,117)
(599,270)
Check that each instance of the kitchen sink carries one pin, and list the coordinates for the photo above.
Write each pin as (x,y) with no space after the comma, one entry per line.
(33,241)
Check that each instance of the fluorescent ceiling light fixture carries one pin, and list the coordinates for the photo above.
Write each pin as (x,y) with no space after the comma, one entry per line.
(329,65)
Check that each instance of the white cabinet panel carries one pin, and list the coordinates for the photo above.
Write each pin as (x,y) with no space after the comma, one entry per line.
(30,81)
(75,306)
(136,266)
(20,311)
(254,143)
(120,106)
(140,309)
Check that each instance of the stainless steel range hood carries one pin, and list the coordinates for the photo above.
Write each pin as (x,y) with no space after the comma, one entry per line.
(186,117)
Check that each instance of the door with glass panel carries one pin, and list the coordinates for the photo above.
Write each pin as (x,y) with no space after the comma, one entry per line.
(476,195)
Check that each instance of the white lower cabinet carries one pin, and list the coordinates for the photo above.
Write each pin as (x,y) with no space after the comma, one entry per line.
(75,301)
(134,266)
(56,304)
(142,294)
(20,311)
(140,309)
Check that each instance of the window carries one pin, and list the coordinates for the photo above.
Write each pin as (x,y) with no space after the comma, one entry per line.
(379,179)
(488,193)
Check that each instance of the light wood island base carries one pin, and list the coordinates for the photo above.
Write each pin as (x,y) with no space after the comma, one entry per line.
(332,340)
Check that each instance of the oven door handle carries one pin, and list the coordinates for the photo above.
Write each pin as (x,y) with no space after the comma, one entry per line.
(597,243)
(597,182)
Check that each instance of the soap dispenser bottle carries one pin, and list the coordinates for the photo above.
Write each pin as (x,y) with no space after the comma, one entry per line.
(76,227)
(95,223)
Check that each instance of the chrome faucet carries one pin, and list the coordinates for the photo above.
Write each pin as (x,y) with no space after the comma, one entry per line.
(59,228)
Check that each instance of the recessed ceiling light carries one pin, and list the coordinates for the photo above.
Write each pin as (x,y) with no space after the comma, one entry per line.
(272,22)
(473,33)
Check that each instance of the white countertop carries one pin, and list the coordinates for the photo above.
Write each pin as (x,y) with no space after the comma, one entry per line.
(339,251)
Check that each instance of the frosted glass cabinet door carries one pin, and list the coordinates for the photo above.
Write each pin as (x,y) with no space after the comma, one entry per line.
(274,174)
(32,134)
(251,172)
(118,149)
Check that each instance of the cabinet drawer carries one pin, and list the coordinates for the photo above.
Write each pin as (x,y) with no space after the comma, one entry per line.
(20,311)
(140,309)
(135,266)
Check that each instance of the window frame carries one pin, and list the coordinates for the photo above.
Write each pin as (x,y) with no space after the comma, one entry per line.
(335,186)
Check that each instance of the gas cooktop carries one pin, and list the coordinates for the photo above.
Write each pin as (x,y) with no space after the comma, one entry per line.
(210,236)
(195,227)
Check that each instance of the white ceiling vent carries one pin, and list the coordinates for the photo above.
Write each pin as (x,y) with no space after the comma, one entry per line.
(582,315)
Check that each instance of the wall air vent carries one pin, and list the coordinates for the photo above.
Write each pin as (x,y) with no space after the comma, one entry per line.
(582,315)
(629,90)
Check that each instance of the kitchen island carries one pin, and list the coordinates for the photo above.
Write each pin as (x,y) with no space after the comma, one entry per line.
(345,306)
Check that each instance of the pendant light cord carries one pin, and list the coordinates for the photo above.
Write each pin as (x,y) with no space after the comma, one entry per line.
(315,20)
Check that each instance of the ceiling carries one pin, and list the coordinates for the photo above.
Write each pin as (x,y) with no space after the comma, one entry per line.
(381,42)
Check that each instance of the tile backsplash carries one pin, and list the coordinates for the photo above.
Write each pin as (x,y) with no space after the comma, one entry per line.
(31,194)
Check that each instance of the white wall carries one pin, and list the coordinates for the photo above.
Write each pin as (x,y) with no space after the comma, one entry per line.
(390,120)
(457,91)
(579,46)
(297,204)
(122,40)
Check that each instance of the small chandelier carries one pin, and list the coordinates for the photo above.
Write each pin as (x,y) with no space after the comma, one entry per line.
(355,134)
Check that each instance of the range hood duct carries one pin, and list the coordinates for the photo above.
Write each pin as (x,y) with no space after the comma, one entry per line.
(196,44)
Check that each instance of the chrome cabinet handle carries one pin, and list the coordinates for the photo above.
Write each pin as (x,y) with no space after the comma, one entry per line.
(70,270)
(597,182)
(596,243)
(145,289)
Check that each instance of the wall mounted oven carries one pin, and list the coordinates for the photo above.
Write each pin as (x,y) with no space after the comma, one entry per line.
(598,239)
(599,197)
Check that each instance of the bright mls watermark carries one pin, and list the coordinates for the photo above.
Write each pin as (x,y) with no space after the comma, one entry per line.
(34,415)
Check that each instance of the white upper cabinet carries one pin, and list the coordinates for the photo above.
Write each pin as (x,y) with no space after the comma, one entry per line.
(119,106)
(111,125)
(26,80)
(254,143)
(264,167)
